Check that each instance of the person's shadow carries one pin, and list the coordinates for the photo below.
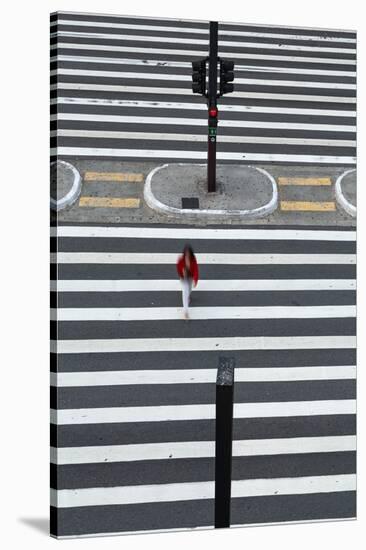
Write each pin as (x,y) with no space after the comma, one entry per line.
(40,524)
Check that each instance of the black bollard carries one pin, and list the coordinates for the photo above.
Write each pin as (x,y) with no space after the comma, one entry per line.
(224,440)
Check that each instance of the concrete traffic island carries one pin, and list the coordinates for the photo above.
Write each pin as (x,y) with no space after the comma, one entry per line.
(181,190)
(65,184)
(346,192)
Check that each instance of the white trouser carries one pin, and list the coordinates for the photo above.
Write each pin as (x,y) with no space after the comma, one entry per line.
(186,291)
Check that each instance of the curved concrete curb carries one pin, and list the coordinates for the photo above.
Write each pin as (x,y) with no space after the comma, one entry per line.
(341,199)
(74,192)
(157,205)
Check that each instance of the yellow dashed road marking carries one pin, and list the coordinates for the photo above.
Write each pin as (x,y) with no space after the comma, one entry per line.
(308,206)
(114,176)
(304,181)
(109,202)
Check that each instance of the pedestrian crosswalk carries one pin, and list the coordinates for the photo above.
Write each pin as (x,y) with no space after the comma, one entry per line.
(121,89)
(133,383)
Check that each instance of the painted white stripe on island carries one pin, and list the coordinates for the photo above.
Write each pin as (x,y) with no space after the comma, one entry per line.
(199,376)
(201,122)
(109,415)
(100,134)
(196,233)
(175,492)
(195,53)
(290,48)
(193,30)
(168,285)
(184,64)
(201,313)
(200,449)
(141,345)
(137,258)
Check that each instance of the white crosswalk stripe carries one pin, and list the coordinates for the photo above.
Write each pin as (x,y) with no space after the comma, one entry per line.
(193,449)
(232,312)
(201,490)
(107,415)
(170,40)
(240,68)
(133,383)
(195,53)
(216,259)
(196,122)
(294,88)
(204,376)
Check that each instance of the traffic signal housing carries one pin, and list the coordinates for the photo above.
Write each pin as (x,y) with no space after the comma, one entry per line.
(226,77)
(199,77)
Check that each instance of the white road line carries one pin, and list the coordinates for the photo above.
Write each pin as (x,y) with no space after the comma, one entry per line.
(291,48)
(92,102)
(198,376)
(201,313)
(188,91)
(199,449)
(222,285)
(185,64)
(103,415)
(150,345)
(293,485)
(195,53)
(192,30)
(196,233)
(316,30)
(199,155)
(200,138)
(202,122)
(212,259)
(174,492)
(310,38)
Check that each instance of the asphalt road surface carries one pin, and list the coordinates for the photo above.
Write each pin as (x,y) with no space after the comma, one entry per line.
(133,397)
(121,90)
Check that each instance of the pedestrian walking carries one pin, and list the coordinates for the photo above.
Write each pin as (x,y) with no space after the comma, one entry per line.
(187,268)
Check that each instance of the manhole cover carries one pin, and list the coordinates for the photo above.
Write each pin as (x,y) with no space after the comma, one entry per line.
(190,203)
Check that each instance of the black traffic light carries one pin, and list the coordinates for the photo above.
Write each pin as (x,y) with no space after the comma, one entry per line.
(226,77)
(199,77)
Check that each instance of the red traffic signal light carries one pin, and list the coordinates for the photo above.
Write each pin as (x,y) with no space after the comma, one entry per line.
(213,112)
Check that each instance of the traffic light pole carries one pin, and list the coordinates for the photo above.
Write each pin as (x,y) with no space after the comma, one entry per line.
(212,108)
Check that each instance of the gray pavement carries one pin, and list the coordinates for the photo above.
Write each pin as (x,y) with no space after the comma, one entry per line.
(181,190)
